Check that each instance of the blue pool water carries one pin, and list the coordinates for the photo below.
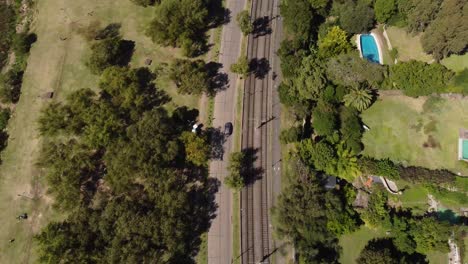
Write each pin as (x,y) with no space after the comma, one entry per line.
(369,48)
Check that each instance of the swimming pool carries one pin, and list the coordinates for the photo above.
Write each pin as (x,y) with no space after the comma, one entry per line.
(465,149)
(369,48)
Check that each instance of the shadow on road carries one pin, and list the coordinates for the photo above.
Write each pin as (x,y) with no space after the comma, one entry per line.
(249,171)
(218,80)
(261,26)
(260,67)
(217,139)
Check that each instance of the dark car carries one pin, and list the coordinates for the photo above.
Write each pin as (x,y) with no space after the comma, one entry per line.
(228,129)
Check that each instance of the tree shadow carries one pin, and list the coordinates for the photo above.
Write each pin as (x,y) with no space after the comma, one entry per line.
(126,49)
(249,171)
(218,14)
(261,27)
(259,67)
(219,81)
(217,139)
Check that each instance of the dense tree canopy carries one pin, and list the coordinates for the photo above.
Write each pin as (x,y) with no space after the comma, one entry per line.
(334,43)
(354,17)
(180,23)
(191,77)
(300,216)
(448,33)
(107,52)
(421,13)
(298,18)
(351,70)
(384,10)
(418,78)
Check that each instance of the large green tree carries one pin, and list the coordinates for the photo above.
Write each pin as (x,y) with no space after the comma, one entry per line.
(448,33)
(108,52)
(334,43)
(350,70)
(359,98)
(300,217)
(384,10)
(421,13)
(354,17)
(298,18)
(418,78)
(190,77)
(324,119)
(430,235)
(180,23)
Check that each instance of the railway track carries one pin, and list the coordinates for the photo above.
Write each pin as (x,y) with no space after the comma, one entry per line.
(255,227)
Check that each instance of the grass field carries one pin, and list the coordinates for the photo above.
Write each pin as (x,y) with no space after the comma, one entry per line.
(409,46)
(456,63)
(353,243)
(56,65)
(400,126)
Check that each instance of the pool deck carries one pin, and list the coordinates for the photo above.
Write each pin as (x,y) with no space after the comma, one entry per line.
(378,43)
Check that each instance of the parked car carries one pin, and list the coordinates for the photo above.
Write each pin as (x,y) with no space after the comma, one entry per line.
(228,129)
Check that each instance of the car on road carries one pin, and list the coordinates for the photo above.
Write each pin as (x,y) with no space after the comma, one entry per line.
(228,129)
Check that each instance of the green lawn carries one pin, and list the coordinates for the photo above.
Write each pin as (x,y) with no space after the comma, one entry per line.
(353,243)
(56,65)
(400,127)
(409,46)
(456,62)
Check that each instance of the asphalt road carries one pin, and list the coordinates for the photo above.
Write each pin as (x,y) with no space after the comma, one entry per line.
(220,233)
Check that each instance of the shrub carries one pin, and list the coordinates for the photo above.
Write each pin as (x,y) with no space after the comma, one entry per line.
(10,86)
(243,19)
(290,135)
(4,117)
(22,43)
(423,175)
(324,119)
(242,66)
(418,78)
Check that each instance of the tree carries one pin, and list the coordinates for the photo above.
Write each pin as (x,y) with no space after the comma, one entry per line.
(342,219)
(72,172)
(197,148)
(346,166)
(311,79)
(235,180)
(53,119)
(430,235)
(179,23)
(423,175)
(131,90)
(300,217)
(241,67)
(334,43)
(354,17)
(324,119)
(350,70)
(448,33)
(418,78)
(298,18)
(421,14)
(359,98)
(112,51)
(243,19)
(384,10)
(377,214)
(191,77)
(4,117)
(351,128)
(379,251)
(383,167)
(320,155)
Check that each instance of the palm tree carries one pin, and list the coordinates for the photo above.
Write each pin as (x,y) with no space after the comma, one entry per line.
(359,98)
(347,167)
